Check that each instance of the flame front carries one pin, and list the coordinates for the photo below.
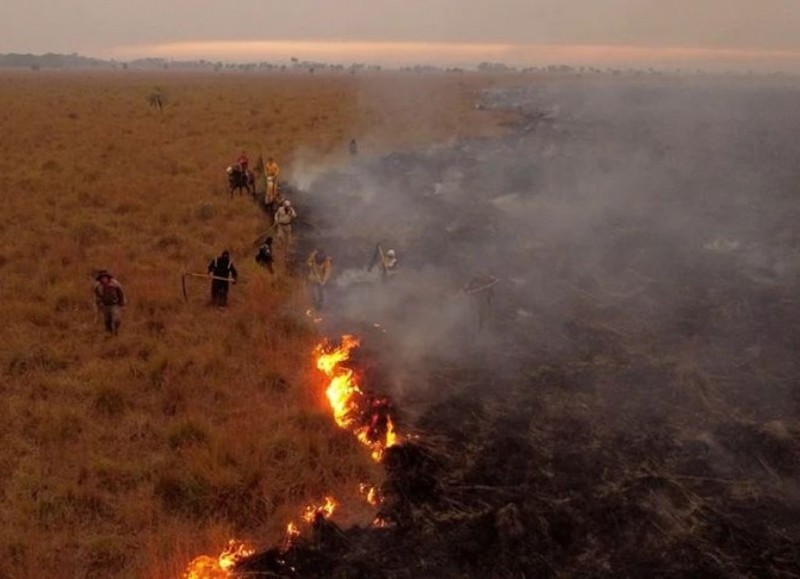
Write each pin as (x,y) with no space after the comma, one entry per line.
(325,511)
(205,567)
(310,515)
(367,418)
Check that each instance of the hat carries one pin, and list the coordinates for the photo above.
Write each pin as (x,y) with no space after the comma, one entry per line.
(390,253)
(101,274)
(229,170)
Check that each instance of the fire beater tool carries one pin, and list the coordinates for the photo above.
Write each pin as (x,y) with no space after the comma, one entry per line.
(203,276)
(479,284)
(261,238)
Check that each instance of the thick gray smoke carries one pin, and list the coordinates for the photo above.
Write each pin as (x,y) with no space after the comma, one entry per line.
(624,222)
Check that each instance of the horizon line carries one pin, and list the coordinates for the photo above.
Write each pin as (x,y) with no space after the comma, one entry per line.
(452,53)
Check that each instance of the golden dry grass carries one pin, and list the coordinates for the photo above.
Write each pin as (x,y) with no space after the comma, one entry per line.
(128,456)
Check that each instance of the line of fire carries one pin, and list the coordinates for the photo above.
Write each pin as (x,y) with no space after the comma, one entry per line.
(369,418)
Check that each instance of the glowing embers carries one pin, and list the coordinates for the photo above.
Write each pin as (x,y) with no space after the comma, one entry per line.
(325,510)
(370,494)
(310,516)
(221,567)
(368,417)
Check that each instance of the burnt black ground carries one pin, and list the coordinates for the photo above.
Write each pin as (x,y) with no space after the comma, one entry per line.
(630,407)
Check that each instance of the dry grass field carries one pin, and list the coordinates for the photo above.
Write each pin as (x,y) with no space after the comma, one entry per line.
(128,456)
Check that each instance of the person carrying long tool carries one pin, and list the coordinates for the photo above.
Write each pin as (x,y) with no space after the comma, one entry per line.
(387,260)
(223,271)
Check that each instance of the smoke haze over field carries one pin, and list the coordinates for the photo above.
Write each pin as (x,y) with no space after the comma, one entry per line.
(665,212)
(636,368)
(727,33)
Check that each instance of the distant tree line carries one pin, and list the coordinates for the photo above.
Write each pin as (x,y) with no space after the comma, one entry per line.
(61,61)
(51,60)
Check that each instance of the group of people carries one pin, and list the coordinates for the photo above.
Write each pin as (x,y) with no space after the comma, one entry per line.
(281,210)
(242,163)
(320,267)
(240,174)
(110,298)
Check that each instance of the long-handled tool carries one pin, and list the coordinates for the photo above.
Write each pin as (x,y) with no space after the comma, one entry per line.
(378,257)
(203,276)
(480,283)
(261,238)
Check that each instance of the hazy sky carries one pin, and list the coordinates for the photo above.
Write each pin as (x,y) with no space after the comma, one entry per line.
(750,30)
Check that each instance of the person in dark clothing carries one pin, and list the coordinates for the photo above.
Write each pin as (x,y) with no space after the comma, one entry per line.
(109,299)
(221,267)
(353,147)
(264,255)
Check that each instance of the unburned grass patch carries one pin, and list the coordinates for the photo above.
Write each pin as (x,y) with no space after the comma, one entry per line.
(110,400)
(54,427)
(39,357)
(105,555)
(227,497)
(115,475)
(184,433)
(204,212)
(89,234)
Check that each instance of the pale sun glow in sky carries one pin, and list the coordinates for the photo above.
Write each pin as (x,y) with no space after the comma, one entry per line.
(404,53)
(761,34)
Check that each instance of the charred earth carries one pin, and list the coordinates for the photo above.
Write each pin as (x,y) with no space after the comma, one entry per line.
(625,402)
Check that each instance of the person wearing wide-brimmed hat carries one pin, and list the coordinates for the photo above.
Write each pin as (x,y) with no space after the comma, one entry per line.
(109,299)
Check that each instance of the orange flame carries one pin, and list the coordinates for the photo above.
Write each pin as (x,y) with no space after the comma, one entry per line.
(205,567)
(325,511)
(310,514)
(348,401)
(291,536)
(370,494)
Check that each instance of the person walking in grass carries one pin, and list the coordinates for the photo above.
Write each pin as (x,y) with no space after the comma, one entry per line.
(109,299)
(284,217)
(272,171)
(223,270)
(264,256)
(319,272)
